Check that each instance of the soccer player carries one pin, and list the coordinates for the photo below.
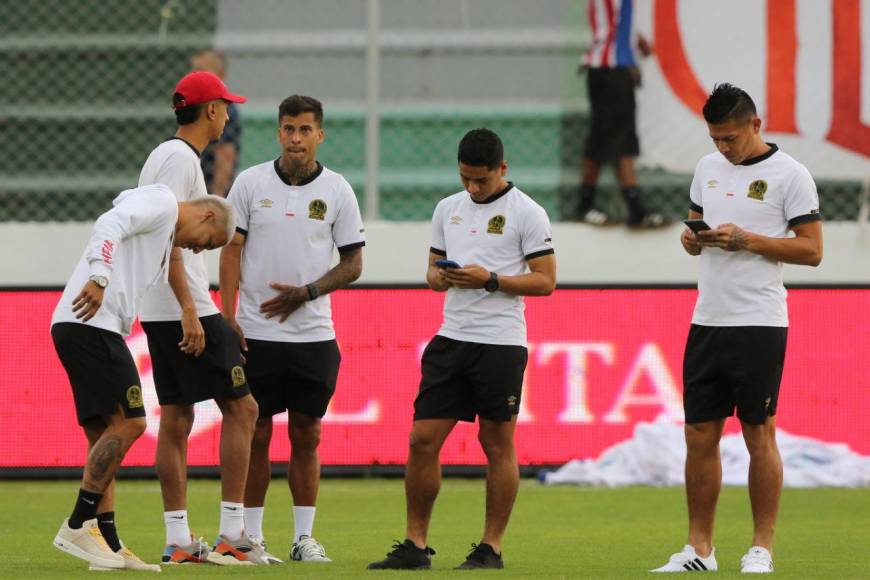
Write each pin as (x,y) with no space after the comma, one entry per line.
(292,212)
(195,356)
(128,251)
(474,366)
(754,197)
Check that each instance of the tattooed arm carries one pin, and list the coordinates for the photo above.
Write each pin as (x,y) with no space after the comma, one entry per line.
(804,249)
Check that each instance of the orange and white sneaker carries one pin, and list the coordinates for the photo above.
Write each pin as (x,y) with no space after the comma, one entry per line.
(131,562)
(195,552)
(240,552)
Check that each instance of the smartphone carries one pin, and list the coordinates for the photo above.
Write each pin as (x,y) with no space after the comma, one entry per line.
(697,225)
(445,263)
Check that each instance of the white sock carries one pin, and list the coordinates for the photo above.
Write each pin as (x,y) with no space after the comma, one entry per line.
(177,528)
(232,519)
(254,521)
(303,521)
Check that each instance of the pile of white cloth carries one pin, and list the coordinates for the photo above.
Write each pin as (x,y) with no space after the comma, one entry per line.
(656,453)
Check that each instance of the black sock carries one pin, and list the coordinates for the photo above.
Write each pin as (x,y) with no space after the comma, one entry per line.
(106,521)
(587,199)
(634,201)
(86,508)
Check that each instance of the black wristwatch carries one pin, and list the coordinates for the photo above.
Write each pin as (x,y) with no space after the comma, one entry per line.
(313,292)
(491,284)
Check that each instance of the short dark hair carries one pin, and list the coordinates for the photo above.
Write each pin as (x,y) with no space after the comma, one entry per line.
(186,115)
(728,102)
(481,147)
(295,105)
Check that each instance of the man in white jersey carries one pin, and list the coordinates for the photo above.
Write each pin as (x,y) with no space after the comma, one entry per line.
(128,251)
(293,213)
(195,356)
(500,238)
(763,211)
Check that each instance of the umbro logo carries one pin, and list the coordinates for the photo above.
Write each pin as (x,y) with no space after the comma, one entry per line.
(456,220)
(712,184)
(265,202)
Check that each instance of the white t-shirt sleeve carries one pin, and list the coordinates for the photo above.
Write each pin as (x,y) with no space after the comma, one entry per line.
(137,212)
(801,203)
(696,202)
(178,172)
(438,245)
(537,235)
(240,197)
(347,230)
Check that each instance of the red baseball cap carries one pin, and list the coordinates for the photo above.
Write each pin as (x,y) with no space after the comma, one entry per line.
(202,87)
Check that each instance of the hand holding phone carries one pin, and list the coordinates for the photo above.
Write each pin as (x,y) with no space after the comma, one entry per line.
(697,225)
(445,263)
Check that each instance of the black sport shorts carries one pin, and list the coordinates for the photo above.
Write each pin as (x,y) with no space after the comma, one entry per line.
(295,376)
(464,379)
(101,371)
(184,379)
(733,366)
(611,98)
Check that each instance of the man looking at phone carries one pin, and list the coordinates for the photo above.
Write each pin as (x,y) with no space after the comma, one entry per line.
(751,194)
(474,366)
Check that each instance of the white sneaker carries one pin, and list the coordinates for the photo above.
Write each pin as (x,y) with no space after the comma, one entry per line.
(756,561)
(88,544)
(307,549)
(689,561)
(259,545)
(131,562)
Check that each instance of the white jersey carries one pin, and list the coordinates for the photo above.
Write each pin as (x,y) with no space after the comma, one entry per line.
(130,245)
(290,232)
(500,234)
(175,163)
(766,195)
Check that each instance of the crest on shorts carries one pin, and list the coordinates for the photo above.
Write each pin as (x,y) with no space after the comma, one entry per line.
(134,397)
(238,374)
(495,225)
(317,209)
(265,202)
(512,401)
(757,189)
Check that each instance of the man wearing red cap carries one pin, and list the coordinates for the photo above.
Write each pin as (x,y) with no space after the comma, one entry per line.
(195,355)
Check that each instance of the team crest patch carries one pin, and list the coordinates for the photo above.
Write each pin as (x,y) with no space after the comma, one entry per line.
(496,225)
(134,397)
(265,202)
(238,374)
(757,189)
(317,209)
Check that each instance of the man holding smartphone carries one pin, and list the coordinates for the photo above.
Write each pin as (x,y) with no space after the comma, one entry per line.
(753,196)
(474,366)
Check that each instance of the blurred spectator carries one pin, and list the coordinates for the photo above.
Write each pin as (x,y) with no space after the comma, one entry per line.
(221,159)
(612,75)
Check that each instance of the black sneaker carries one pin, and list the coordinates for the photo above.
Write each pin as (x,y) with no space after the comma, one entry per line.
(482,556)
(405,556)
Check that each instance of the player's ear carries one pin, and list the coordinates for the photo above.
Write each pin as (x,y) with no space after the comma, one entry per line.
(208,216)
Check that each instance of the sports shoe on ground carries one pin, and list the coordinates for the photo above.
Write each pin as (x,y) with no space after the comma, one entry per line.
(88,544)
(307,549)
(405,556)
(649,221)
(240,552)
(260,545)
(756,561)
(193,553)
(482,556)
(689,561)
(131,562)
(595,217)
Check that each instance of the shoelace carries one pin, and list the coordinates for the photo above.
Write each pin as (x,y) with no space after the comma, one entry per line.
(310,546)
(476,553)
(753,558)
(98,537)
(399,547)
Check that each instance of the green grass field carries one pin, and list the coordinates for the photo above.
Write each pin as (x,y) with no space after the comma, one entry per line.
(563,532)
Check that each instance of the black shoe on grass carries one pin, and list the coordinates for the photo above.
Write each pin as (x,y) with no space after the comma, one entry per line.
(482,556)
(405,556)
